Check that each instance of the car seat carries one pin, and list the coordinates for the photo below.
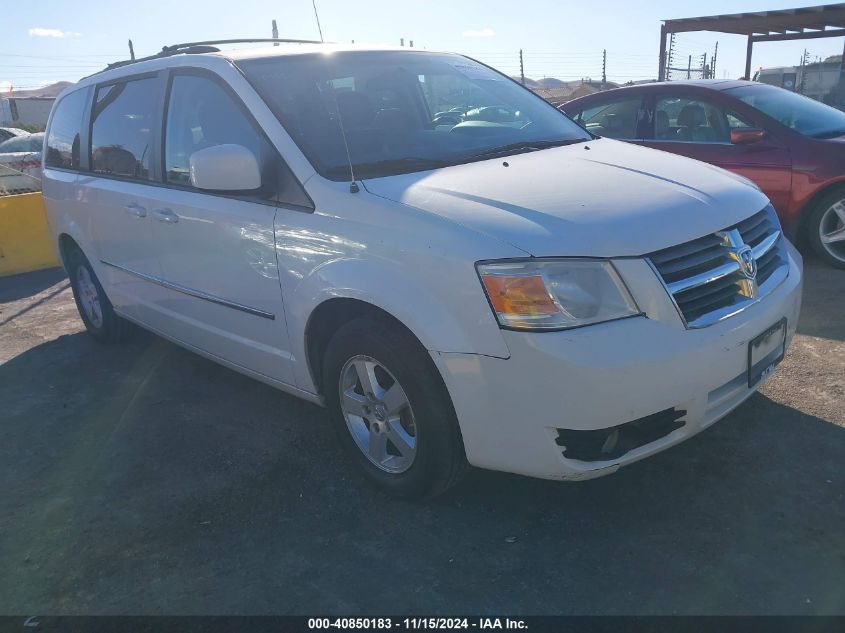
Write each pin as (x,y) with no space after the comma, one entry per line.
(662,129)
(693,125)
(612,125)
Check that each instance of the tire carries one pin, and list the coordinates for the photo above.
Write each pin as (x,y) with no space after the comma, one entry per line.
(93,305)
(828,216)
(417,450)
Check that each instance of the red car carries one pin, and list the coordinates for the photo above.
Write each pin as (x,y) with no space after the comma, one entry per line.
(792,147)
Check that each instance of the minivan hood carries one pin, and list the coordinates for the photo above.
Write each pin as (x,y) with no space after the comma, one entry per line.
(602,198)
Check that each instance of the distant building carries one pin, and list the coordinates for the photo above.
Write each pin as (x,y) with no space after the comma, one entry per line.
(816,80)
(17,111)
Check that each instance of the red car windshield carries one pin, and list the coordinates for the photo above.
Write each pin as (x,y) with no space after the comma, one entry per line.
(796,111)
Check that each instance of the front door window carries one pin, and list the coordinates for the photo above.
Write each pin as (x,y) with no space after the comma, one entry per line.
(693,120)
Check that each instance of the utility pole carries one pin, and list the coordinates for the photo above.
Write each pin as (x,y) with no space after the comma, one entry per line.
(670,57)
(131,51)
(704,66)
(275,33)
(521,68)
(842,66)
(804,59)
(603,68)
(689,67)
(713,61)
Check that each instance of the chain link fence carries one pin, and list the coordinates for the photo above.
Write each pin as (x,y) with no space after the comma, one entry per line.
(18,180)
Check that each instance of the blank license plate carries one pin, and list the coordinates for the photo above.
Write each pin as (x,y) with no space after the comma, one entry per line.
(765,352)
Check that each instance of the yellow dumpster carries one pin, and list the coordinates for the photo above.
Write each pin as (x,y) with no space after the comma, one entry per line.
(25,242)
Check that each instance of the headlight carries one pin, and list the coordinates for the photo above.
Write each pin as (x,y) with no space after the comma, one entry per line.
(554,294)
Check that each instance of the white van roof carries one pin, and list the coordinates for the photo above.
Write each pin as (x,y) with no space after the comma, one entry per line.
(187,54)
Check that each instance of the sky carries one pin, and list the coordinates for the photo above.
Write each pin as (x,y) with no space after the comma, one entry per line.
(66,40)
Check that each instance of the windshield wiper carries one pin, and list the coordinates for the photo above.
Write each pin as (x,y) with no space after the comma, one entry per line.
(526,146)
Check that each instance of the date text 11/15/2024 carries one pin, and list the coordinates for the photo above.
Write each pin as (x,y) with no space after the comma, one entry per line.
(414,624)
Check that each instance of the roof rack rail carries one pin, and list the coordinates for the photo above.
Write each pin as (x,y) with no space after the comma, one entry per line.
(176,47)
(209,46)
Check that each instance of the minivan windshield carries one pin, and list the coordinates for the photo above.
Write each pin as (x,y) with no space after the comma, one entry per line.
(796,111)
(403,111)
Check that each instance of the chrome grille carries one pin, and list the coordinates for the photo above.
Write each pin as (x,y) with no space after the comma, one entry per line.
(715,276)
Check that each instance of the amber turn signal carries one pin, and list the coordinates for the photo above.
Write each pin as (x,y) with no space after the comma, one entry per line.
(519,294)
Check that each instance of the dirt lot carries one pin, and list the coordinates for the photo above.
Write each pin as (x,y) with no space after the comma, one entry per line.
(143,479)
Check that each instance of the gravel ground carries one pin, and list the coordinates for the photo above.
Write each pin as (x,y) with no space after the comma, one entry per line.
(142,479)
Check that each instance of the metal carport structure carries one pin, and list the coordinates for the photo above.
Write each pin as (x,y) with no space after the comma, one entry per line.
(803,23)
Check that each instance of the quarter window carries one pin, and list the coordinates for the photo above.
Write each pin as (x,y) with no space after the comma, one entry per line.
(202,114)
(63,136)
(621,119)
(122,128)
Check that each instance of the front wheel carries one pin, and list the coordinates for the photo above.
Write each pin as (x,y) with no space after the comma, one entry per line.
(391,409)
(826,228)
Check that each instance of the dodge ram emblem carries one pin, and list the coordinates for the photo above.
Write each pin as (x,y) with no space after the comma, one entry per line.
(747,262)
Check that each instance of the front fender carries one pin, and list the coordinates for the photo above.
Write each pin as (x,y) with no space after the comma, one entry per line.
(442,303)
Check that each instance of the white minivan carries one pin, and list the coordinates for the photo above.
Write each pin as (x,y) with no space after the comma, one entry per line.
(459,272)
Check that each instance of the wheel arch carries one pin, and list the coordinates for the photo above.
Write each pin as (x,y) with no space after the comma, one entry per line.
(332,314)
(69,234)
(66,244)
(454,317)
(810,205)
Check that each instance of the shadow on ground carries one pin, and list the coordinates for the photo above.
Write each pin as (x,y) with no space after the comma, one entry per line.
(144,479)
(26,285)
(823,313)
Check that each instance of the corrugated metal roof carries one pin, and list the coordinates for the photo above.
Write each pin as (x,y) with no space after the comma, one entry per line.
(815,18)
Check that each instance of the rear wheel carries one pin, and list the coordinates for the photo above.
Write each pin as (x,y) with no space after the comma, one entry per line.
(94,306)
(826,228)
(391,409)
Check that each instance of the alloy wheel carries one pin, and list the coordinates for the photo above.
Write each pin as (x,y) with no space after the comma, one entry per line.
(832,230)
(89,297)
(378,414)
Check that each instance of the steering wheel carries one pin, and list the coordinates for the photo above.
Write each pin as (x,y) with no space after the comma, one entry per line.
(447,118)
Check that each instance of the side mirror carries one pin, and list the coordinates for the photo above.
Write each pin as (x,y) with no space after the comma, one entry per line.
(746,135)
(225,168)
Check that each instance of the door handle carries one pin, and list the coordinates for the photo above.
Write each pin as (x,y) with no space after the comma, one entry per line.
(166,215)
(136,209)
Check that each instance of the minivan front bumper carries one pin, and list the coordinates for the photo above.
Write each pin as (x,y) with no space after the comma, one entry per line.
(663,382)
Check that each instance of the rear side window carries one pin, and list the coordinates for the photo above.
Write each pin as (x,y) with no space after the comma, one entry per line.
(122,128)
(63,136)
(620,119)
(201,114)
